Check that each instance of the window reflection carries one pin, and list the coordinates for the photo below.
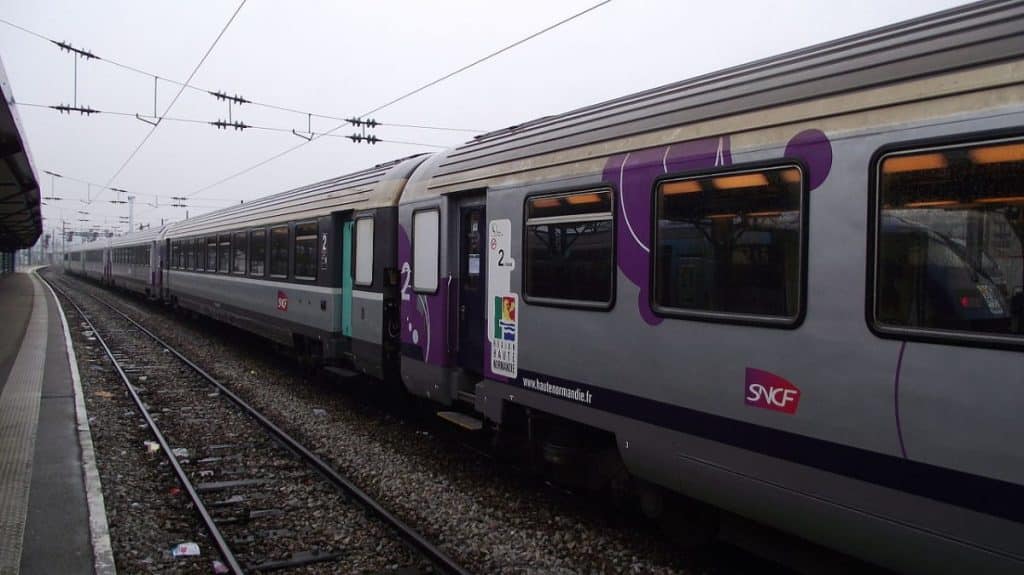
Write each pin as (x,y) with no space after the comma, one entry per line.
(730,243)
(950,231)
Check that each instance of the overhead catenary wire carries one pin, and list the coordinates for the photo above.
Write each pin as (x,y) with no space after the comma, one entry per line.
(178,95)
(485,58)
(344,122)
(409,94)
(222,95)
(64,176)
(226,125)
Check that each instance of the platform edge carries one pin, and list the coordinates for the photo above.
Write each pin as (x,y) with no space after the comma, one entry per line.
(103,553)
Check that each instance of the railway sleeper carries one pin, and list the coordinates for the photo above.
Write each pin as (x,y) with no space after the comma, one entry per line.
(297,559)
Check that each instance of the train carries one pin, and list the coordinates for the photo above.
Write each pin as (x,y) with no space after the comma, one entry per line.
(792,289)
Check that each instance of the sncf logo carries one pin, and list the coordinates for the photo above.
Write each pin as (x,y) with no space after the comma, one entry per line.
(282,301)
(769,391)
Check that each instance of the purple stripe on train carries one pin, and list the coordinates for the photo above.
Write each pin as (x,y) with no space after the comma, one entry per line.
(634,174)
(423,315)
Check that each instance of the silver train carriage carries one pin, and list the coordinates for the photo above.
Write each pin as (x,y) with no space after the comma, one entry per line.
(312,268)
(90,260)
(793,289)
(137,262)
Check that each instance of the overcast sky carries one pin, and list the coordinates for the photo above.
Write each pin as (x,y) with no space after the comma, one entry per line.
(343,59)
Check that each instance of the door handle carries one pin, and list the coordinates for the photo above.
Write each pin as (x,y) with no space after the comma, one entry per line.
(462,313)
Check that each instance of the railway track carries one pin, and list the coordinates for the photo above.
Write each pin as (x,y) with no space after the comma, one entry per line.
(268,502)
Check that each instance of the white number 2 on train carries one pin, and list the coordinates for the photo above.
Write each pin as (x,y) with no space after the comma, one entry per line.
(406,276)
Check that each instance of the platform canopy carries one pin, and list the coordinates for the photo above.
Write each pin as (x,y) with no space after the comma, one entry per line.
(21,222)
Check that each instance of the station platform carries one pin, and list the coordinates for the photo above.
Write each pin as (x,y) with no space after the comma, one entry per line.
(52,518)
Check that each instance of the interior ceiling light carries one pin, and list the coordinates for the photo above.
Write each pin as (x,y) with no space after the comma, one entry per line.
(998,200)
(546,202)
(791,176)
(684,187)
(915,163)
(578,199)
(997,154)
(932,204)
(755,180)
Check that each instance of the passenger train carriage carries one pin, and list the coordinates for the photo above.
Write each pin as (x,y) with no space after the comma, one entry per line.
(312,268)
(793,289)
(89,261)
(136,262)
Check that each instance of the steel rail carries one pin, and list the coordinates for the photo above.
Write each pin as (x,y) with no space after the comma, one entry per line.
(412,537)
(211,526)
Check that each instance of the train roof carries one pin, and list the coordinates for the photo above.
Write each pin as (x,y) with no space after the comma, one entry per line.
(140,237)
(98,244)
(979,34)
(378,186)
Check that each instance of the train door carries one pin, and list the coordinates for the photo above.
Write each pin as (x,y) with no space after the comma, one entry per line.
(347,258)
(157,257)
(472,288)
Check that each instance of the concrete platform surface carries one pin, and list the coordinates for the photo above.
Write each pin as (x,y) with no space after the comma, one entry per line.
(50,498)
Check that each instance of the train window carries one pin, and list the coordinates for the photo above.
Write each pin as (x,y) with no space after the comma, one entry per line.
(425,250)
(190,246)
(364,251)
(174,255)
(224,254)
(241,246)
(731,244)
(306,250)
(569,249)
(279,252)
(949,241)
(211,254)
(258,253)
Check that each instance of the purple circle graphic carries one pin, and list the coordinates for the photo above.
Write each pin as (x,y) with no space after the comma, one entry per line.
(813,147)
